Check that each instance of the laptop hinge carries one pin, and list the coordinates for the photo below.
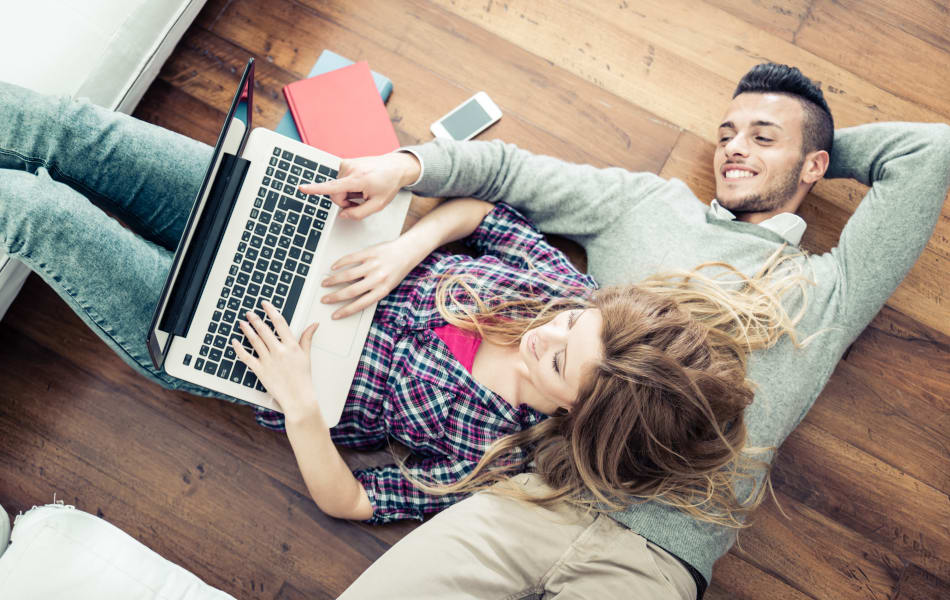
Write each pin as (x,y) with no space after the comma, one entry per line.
(196,265)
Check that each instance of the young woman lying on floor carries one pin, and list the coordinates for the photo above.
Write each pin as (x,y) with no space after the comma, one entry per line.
(634,390)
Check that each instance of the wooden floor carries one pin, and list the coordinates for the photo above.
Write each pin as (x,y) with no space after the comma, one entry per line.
(864,481)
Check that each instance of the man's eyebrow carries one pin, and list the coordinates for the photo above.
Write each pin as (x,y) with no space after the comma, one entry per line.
(728,124)
(766,124)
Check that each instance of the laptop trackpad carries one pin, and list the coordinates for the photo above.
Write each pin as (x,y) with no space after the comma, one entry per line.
(336,336)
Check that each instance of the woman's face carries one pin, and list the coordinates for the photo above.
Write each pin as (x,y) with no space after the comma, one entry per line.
(558,353)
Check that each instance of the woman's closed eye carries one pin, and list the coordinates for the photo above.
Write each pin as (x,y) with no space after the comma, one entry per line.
(571,319)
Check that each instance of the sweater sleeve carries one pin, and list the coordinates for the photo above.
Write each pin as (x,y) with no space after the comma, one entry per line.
(568,199)
(907,166)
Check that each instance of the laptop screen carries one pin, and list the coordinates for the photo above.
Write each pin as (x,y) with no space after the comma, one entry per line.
(168,316)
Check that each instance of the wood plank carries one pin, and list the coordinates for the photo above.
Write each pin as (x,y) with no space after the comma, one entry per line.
(917,584)
(780,19)
(736,579)
(896,426)
(862,493)
(928,20)
(903,65)
(602,129)
(816,555)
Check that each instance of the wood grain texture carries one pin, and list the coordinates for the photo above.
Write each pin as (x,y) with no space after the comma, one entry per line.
(863,482)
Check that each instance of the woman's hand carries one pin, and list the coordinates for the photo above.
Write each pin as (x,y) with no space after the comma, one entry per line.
(376,179)
(282,363)
(373,272)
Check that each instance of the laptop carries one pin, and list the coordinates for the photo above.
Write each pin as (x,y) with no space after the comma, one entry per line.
(253,236)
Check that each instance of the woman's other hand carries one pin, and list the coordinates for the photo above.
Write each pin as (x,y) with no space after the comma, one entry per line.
(371,274)
(282,363)
(375,179)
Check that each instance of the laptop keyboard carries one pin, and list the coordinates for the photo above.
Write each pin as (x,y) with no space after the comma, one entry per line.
(272,261)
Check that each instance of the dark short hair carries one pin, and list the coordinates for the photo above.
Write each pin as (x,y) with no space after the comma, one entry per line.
(818,127)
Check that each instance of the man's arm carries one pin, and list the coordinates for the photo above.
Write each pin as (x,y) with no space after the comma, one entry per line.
(560,197)
(907,166)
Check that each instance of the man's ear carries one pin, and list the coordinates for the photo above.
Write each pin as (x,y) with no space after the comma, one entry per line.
(814,166)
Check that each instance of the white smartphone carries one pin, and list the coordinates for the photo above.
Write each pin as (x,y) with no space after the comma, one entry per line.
(468,119)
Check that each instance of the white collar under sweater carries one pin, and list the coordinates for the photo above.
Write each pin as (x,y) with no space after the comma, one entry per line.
(788,225)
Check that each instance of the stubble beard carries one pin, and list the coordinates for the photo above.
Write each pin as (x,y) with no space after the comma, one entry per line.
(773,198)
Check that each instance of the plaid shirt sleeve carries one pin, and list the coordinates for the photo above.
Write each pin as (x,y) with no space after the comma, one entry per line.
(508,235)
(394,497)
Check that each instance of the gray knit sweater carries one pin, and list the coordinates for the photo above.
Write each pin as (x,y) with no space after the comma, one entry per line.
(636,224)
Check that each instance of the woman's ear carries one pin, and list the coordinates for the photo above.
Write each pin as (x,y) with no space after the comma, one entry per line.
(814,166)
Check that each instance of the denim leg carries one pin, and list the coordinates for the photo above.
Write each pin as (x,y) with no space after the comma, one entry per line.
(57,158)
(145,175)
(107,274)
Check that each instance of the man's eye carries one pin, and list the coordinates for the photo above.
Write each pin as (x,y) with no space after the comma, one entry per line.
(763,139)
(554,363)
(724,139)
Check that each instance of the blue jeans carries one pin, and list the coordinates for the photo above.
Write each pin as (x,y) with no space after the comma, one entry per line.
(63,164)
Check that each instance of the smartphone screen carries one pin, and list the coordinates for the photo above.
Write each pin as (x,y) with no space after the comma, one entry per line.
(466,120)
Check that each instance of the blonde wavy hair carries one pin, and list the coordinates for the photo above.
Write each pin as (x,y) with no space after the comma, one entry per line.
(661,416)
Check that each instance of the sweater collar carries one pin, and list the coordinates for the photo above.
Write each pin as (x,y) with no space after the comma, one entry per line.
(788,225)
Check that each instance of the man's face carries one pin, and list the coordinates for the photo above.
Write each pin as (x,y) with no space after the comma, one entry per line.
(759,159)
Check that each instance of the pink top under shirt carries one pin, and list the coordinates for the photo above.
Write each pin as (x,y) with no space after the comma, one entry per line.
(463,344)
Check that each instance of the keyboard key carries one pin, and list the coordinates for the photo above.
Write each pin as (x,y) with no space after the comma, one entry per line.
(280,216)
(249,379)
(259,387)
(257,277)
(215,355)
(220,341)
(295,288)
(276,151)
(290,265)
(224,370)
(284,164)
(325,203)
(273,161)
(275,266)
(251,254)
(242,278)
(295,252)
(292,179)
(229,316)
(296,170)
(282,289)
(229,353)
(310,210)
(199,364)
(280,254)
(286,276)
(308,175)
(270,171)
(209,338)
(187,360)
(265,218)
(258,202)
(249,302)
(253,289)
(256,241)
(284,242)
(288,204)
(210,368)
(204,351)
(322,214)
(234,304)
(318,224)
(325,170)
(307,257)
(262,192)
(301,195)
(277,301)
(224,329)
(281,175)
(267,291)
(299,241)
(275,228)
(312,240)
(289,230)
(237,372)
(303,270)
(271,278)
(287,155)
(306,163)
(271,202)
(293,218)
(266,181)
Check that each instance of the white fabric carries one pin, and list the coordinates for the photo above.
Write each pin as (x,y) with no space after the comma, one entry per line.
(60,553)
(788,225)
(4,530)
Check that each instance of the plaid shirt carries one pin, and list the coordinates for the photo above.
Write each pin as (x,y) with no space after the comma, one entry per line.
(410,387)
